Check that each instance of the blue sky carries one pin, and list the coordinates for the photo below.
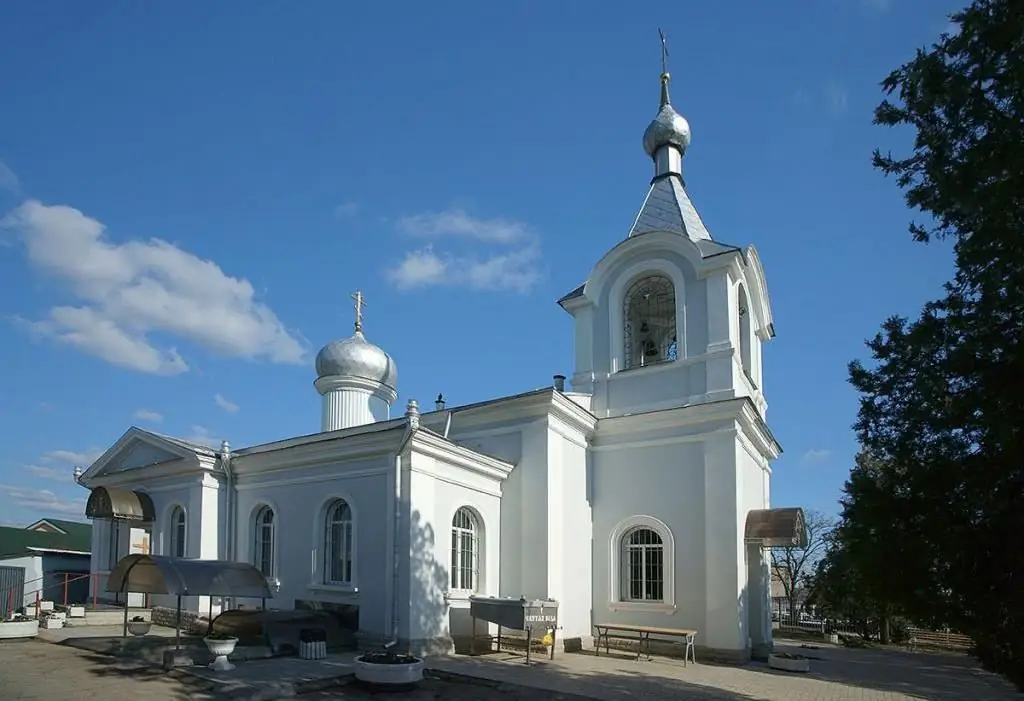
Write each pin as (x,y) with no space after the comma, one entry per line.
(192,191)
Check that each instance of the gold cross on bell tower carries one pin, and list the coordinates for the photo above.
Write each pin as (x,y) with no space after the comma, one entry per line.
(360,302)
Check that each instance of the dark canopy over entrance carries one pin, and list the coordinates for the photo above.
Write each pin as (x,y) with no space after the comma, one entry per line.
(159,574)
(121,504)
(777,528)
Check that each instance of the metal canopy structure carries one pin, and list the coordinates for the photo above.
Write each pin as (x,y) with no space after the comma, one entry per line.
(177,576)
(159,574)
(120,504)
(777,528)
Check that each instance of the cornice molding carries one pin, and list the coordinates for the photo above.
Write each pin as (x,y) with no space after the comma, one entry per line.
(315,453)
(149,474)
(331,383)
(514,411)
(431,445)
(757,430)
(740,409)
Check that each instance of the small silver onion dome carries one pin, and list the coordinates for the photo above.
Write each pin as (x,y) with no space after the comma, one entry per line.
(668,128)
(357,357)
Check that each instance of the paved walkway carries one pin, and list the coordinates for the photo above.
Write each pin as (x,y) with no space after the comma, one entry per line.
(40,671)
(33,670)
(837,674)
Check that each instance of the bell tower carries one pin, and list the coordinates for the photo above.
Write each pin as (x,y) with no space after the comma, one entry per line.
(669,317)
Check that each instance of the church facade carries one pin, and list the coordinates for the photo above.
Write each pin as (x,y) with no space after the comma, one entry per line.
(641,496)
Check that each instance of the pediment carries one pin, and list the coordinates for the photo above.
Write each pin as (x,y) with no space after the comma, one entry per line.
(138,448)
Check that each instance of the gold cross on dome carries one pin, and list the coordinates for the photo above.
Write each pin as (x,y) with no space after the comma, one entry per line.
(360,303)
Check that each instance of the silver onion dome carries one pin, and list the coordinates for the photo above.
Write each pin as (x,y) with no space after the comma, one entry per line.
(669,128)
(357,357)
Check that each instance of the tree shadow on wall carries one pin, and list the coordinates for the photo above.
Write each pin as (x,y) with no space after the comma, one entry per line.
(424,625)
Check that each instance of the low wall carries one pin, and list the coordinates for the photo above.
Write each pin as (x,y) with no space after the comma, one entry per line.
(191,622)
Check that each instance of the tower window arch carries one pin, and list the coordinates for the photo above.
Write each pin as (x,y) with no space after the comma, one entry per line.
(264,541)
(649,316)
(178,532)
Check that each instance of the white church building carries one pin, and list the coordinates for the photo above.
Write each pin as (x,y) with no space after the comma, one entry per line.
(641,496)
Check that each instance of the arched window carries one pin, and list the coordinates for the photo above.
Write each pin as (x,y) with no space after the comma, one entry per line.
(465,550)
(746,334)
(264,541)
(649,315)
(643,560)
(338,544)
(178,532)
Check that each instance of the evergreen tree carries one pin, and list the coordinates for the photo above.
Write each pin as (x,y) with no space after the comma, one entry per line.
(942,406)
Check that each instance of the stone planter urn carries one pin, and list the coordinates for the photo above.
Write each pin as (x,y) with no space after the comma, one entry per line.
(388,669)
(786,662)
(139,627)
(220,648)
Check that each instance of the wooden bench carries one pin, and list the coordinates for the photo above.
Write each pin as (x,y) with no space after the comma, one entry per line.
(642,635)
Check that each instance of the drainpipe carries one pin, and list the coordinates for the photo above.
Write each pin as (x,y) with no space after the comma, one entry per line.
(395,577)
(412,415)
(229,507)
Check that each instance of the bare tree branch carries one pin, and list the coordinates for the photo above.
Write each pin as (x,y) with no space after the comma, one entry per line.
(793,566)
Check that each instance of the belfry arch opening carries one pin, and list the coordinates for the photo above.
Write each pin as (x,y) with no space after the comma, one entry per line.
(649,316)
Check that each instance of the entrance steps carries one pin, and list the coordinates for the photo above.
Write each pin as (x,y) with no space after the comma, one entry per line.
(108,616)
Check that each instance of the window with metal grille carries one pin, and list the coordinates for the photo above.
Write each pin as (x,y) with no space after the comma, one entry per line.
(179,531)
(338,544)
(649,315)
(644,566)
(264,541)
(465,550)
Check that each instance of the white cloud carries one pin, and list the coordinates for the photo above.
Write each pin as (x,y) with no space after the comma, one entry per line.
(515,271)
(128,292)
(346,209)
(456,222)
(516,268)
(60,474)
(815,455)
(153,417)
(9,180)
(82,459)
(225,403)
(42,500)
(201,435)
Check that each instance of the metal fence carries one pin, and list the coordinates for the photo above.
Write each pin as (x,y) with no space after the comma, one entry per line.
(12,587)
(805,621)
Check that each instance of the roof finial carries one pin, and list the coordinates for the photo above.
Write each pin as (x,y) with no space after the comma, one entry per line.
(665,77)
(360,303)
